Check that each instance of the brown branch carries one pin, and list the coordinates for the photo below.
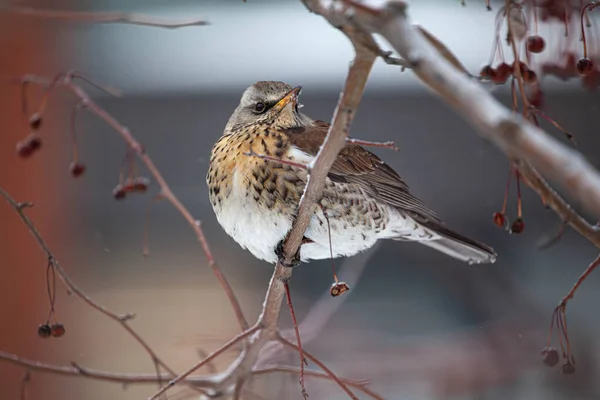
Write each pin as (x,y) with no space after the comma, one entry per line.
(585,274)
(76,370)
(359,385)
(65,80)
(515,136)
(341,382)
(103,17)
(208,359)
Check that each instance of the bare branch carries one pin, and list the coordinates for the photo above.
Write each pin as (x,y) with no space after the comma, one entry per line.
(208,359)
(103,17)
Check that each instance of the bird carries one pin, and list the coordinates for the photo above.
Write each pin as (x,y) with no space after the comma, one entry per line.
(255,195)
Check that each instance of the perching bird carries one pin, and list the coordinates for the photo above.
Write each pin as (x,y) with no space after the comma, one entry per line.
(255,199)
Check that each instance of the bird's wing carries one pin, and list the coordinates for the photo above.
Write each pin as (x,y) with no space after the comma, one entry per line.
(356,165)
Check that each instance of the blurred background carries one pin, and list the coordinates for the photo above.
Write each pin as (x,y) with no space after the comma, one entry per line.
(418,324)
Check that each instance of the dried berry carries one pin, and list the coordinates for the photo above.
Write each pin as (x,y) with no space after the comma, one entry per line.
(44,331)
(35,121)
(503,71)
(522,66)
(119,192)
(140,184)
(27,147)
(517,226)
(77,169)
(551,356)
(23,149)
(499,219)
(487,72)
(338,288)
(57,329)
(536,44)
(585,66)
(568,368)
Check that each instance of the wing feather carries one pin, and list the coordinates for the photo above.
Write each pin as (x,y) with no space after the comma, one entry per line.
(356,165)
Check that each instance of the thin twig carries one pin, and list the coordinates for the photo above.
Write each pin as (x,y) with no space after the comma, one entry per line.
(329,372)
(239,337)
(586,273)
(386,145)
(359,385)
(103,17)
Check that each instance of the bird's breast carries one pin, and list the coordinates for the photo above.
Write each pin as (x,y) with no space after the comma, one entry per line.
(254,199)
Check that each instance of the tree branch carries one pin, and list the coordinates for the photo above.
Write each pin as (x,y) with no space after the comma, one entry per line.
(103,17)
(515,136)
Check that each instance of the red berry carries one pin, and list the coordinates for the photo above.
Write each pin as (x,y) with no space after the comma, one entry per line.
(487,72)
(77,169)
(499,219)
(35,121)
(536,44)
(57,329)
(503,71)
(568,368)
(24,149)
(28,146)
(34,141)
(44,331)
(119,192)
(585,66)
(551,357)
(517,226)
(140,184)
(338,288)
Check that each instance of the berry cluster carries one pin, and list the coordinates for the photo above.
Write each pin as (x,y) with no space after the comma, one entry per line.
(55,329)
(137,184)
(500,218)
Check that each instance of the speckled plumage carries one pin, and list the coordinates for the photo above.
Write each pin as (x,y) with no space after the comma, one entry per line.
(255,200)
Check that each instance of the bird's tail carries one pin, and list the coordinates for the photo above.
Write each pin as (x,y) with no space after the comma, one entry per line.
(458,246)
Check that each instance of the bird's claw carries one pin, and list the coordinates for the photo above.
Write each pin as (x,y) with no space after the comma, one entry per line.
(280,253)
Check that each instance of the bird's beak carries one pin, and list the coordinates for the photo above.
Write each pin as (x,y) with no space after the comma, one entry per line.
(290,97)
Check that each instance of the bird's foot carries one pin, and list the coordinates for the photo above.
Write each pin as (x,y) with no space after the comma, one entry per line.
(280,253)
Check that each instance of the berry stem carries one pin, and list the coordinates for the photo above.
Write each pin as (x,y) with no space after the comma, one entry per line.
(588,7)
(519,199)
(506,189)
(335,278)
(297,331)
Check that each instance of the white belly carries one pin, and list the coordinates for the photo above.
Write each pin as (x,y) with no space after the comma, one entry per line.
(253,227)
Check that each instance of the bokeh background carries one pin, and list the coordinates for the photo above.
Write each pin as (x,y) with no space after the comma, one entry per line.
(418,324)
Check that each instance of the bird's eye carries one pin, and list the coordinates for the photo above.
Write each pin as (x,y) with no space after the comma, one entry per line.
(260,107)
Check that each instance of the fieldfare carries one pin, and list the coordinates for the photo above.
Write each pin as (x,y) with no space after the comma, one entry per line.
(364,200)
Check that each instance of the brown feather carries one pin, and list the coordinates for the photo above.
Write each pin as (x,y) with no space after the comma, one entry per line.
(356,165)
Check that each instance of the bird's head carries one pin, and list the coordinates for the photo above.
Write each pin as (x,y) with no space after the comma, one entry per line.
(270,102)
